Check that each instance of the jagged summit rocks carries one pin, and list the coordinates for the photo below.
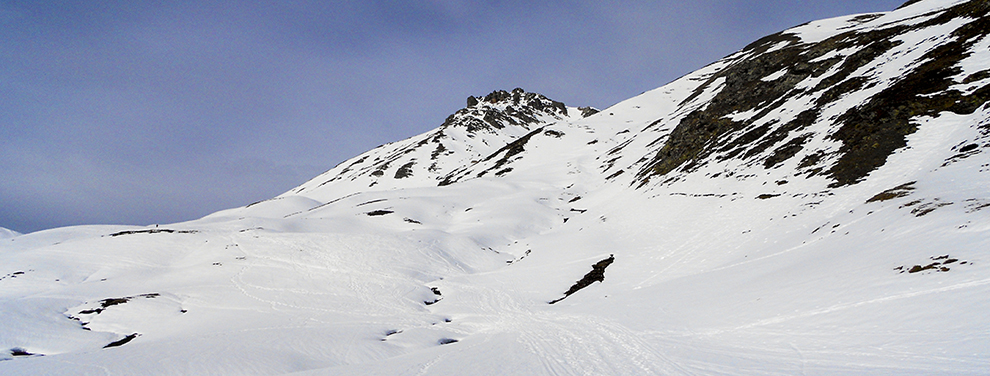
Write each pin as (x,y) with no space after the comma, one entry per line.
(519,97)
(501,108)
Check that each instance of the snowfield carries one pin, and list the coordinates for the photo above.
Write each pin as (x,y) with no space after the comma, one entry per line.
(440,254)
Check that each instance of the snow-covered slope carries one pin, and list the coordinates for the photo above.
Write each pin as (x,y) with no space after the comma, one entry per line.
(813,204)
(7,233)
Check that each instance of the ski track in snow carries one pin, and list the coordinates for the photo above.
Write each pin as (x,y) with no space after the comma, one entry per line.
(566,344)
(844,306)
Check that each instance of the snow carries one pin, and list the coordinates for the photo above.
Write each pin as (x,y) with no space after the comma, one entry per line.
(817,31)
(974,63)
(725,270)
(7,234)
(913,14)
(774,76)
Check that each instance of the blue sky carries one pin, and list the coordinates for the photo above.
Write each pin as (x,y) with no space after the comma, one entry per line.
(140,112)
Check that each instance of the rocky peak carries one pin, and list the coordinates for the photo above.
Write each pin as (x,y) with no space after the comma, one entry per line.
(519,97)
(488,124)
(501,108)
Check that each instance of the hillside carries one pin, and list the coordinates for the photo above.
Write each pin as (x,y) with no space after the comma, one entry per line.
(815,203)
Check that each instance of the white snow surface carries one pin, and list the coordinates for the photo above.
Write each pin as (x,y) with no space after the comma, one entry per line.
(7,233)
(724,270)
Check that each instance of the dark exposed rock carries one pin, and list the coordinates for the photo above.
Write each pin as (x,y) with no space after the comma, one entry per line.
(588,111)
(519,108)
(371,202)
(122,341)
(938,265)
(505,153)
(597,274)
(975,205)
(871,132)
(438,151)
(896,192)
(436,292)
(154,231)
(405,171)
(13,275)
(704,132)
(868,133)
(17,351)
(110,302)
(785,152)
(615,175)
(927,207)
(502,172)
(910,2)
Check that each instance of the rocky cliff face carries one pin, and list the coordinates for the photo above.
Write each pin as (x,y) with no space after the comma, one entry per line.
(836,104)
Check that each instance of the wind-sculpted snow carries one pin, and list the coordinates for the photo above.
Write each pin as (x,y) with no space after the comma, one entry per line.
(813,204)
(6,234)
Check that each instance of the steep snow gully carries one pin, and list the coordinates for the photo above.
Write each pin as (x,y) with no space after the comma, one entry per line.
(816,203)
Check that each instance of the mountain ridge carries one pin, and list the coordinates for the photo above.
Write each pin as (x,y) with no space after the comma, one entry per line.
(486,125)
(720,235)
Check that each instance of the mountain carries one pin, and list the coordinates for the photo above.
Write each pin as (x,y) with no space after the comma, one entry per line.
(814,203)
(471,134)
